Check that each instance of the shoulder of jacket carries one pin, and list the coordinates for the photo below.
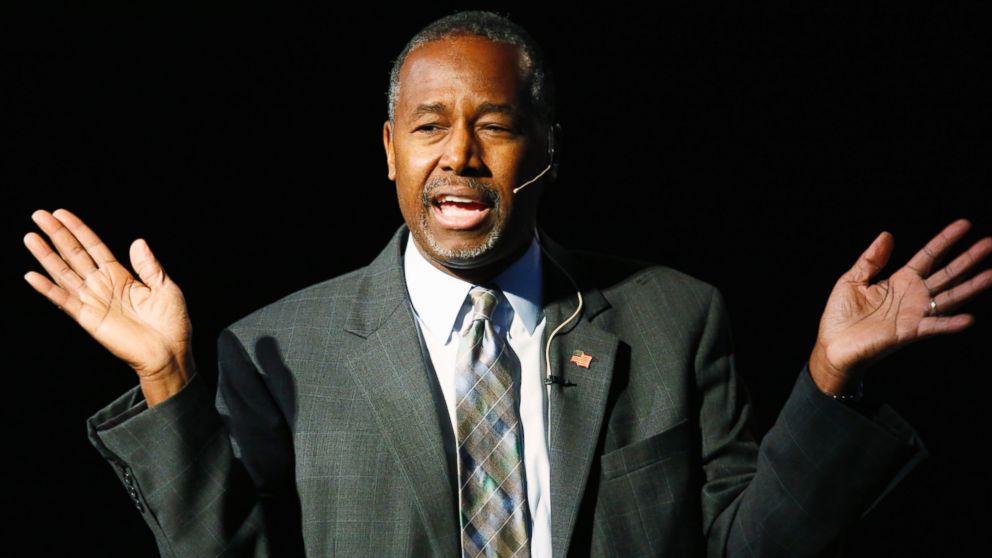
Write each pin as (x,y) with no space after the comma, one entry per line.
(269,315)
(616,274)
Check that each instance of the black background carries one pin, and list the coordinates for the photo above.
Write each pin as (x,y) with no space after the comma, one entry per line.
(760,149)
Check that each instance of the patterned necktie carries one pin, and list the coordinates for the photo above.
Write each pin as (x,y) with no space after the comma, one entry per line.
(495,517)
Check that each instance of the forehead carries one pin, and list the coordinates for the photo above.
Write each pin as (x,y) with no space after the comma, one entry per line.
(456,69)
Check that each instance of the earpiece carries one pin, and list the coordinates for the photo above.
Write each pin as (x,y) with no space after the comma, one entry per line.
(551,157)
(551,145)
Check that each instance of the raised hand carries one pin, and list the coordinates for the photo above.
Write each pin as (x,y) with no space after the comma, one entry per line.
(144,323)
(864,322)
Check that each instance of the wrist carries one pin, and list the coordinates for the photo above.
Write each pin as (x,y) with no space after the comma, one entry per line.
(164,384)
(832,381)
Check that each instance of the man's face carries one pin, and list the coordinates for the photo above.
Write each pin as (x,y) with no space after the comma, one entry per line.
(463,139)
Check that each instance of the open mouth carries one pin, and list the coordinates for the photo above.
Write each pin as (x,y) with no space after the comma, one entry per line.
(459,212)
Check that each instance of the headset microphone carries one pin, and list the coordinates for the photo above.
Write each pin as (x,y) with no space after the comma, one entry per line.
(551,160)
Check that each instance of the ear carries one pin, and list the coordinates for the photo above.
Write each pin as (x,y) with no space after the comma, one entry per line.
(387,143)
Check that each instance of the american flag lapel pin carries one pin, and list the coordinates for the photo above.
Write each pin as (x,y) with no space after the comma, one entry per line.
(581,358)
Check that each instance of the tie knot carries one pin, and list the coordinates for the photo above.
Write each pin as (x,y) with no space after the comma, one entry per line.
(483,301)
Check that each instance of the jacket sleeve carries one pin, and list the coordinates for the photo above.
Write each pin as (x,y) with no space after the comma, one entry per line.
(820,468)
(194,466)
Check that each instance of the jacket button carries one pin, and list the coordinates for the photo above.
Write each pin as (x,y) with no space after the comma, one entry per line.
(139,506)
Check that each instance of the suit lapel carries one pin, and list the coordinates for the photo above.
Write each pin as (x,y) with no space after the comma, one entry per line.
(576,411)
(391,370)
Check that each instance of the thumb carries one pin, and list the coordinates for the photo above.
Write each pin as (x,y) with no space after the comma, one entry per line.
(148,267)
(873,259)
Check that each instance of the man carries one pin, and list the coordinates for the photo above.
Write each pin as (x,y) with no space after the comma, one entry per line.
(480,390)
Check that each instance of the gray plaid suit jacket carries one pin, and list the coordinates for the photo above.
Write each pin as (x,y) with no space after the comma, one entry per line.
(327,433)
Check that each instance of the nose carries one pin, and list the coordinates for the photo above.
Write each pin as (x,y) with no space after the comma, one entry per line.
(461,151)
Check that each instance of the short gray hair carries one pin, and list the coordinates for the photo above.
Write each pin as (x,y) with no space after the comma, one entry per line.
(494,27)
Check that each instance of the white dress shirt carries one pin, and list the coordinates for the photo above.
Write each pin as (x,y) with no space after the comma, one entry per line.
(440,304)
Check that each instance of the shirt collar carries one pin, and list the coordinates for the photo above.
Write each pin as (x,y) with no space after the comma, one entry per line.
(438,297)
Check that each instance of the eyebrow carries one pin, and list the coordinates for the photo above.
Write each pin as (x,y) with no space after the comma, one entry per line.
(484,108)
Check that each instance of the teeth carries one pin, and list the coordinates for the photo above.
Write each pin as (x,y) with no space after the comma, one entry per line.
(448,197)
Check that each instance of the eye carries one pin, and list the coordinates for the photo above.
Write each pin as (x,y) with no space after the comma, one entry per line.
(425,128)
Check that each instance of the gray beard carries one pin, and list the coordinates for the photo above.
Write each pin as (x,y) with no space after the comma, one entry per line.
(464,256)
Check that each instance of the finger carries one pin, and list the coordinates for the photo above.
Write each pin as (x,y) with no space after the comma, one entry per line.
(924,260)
(53,263)
(872,259)
(68,246)
(940,325)
(96,248)
(146,264)
(950,300)
(57,295)
(945,276)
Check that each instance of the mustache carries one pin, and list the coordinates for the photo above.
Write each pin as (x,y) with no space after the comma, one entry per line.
(488,192)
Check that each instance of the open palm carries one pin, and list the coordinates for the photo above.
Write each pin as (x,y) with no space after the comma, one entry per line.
(863,322)
(143,322)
